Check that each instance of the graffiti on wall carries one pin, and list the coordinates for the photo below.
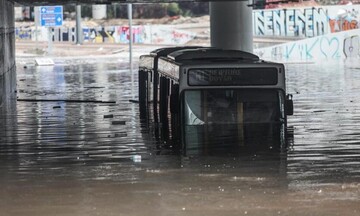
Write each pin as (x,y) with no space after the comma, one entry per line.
(326,47)
(100,35)
(345,19)
(180,37)
(138,34)
(330,46)
(64,34)
(307,22)
(160,34)
(23,33)
(163,34)
(94,35)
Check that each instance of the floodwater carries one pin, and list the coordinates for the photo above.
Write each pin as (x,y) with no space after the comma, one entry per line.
(74,156)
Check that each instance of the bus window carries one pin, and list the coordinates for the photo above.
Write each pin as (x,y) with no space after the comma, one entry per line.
(230,118)
(221,106)
(193,108)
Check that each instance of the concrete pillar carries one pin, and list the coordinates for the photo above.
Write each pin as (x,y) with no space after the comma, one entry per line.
(2,51)
(7,51)
(8,117)
(231,25)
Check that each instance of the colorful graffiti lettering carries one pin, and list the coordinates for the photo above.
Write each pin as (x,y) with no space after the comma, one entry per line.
(179,36)
(307,22)
(24,33)
(99,35)
(159,34)
(343,25)
(329,47)
(138,33)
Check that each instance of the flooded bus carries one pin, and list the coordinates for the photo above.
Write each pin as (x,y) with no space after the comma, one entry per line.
(154,91)
(219,100)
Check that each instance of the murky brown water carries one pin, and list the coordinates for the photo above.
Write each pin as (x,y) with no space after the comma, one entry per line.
(65,158)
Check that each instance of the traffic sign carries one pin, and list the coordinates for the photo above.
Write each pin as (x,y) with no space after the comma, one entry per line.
(51,16)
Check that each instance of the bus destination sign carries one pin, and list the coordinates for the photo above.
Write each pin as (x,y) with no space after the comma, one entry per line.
(232,76)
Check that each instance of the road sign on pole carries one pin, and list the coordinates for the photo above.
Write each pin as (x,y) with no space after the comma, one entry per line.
(51,16)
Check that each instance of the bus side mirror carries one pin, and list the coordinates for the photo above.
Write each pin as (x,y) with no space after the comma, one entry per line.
(289,105)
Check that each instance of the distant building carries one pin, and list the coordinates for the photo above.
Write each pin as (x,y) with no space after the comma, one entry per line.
(22,13)
(99,12)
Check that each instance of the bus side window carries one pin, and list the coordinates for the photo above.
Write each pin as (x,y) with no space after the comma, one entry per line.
(143,93)
(163,102)
(174,98)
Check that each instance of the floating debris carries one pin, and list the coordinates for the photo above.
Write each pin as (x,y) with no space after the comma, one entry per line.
(134,101)
(121,134)
(94,87)
(118,122)
(136,158)
(64,100)
(109,116)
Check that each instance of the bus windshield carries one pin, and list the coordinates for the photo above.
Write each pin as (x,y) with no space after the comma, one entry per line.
(232,106)
(217,120)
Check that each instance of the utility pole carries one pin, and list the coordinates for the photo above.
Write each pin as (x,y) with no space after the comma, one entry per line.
(130,48)
(79,40)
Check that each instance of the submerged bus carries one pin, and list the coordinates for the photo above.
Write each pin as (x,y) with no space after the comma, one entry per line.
(154,90)
(212,99)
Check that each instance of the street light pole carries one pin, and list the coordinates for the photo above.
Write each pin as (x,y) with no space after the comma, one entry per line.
(78,25)
(130,48)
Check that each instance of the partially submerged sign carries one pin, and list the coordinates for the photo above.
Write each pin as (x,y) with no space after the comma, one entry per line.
(44,62)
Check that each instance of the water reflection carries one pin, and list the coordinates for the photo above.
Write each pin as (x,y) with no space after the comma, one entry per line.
(54,131)
(326,123)
(219,138)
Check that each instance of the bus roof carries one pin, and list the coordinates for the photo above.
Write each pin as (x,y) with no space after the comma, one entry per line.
(211,54)
(150,61)
(167,50)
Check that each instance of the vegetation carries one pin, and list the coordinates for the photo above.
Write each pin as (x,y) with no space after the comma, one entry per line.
(162,9)
(260,4)
(158,10)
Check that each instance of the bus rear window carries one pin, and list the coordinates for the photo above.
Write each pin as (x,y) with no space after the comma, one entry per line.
(232,76)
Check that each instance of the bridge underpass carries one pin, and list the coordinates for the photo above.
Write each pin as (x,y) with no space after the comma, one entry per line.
(68,159)
(223,33)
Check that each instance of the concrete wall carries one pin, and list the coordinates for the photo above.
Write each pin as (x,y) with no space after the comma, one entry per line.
(7,52)
(340,45)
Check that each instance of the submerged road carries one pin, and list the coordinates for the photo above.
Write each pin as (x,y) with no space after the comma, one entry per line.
(70,157)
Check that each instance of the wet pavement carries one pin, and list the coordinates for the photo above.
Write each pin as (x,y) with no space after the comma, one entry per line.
(74,156)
